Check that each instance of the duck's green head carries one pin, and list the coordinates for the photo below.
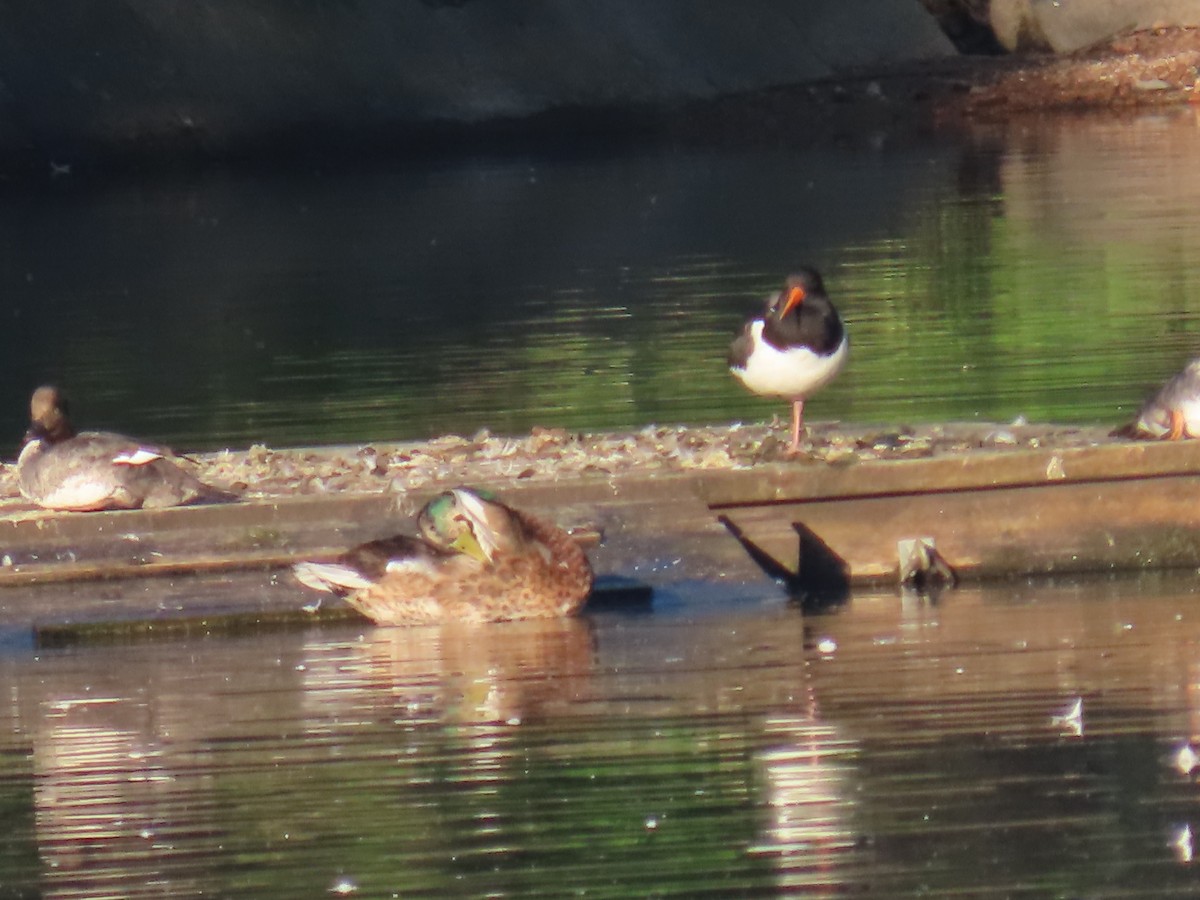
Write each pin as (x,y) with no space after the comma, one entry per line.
(464,520)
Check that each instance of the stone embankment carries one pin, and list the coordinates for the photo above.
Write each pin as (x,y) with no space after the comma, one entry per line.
(214,77)
(139,82)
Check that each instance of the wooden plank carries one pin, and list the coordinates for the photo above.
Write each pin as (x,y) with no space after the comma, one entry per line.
(1064,527)
(668,521)
(649,527)
(43,546)
(655,528)
(984,469)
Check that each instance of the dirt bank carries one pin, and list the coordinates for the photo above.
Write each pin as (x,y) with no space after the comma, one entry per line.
(1140,70)
(1146,68)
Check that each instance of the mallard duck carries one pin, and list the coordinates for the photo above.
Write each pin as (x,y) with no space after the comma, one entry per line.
(1173,412)
(476,560)
(60,468)
(795,348)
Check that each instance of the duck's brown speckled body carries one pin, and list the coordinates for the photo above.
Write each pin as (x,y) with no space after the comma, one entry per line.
(477,560)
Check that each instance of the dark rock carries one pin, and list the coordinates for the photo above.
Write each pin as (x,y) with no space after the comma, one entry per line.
(966,23)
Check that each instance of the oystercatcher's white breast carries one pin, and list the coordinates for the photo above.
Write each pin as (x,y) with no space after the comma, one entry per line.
(794,373)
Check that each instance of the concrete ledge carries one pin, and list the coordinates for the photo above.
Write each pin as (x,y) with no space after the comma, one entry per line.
(216,75)
(1092,507)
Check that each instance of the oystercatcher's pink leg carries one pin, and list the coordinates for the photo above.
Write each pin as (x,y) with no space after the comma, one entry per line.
(797,425)
(1178,428)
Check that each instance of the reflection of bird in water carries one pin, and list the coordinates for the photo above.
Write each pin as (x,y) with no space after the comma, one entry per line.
(505,674)
(101,794)
(499,676)
(794,349)
(1173,412)
(1071,718)
(60,468)
(811,798)
(1185,759)
(476,560)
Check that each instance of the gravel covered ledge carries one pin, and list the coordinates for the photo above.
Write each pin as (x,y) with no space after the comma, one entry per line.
(556,454)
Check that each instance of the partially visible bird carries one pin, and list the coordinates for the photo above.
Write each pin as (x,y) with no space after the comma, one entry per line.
(795,348)
(476,560)
(1172,413)
(59,468)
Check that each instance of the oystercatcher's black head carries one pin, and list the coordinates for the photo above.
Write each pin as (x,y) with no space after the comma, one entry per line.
(802,315)
(800,285)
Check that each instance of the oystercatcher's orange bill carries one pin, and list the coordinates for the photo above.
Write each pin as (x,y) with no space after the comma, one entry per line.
(795,297)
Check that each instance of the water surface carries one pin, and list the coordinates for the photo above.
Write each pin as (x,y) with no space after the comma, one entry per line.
(889,747)
(730,746)
(1045,268)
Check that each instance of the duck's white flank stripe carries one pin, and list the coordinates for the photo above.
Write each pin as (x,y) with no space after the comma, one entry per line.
(137,457)
(328,576)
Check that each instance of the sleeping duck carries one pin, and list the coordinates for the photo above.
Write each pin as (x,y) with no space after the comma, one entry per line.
(1172,413)
(60,468)
(476,560)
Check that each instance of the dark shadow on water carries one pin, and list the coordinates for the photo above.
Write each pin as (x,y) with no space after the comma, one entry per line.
(618,593)
(821,579)
(16,640)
